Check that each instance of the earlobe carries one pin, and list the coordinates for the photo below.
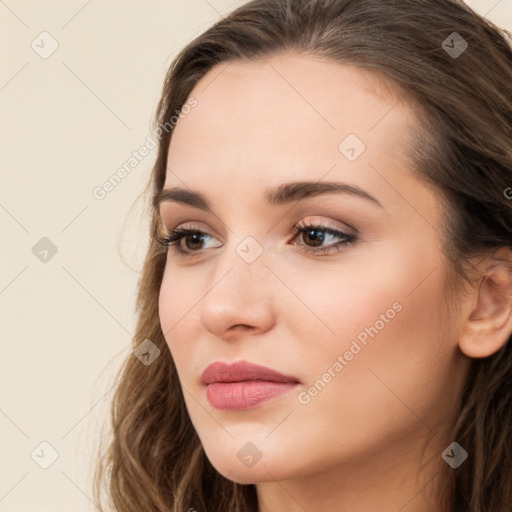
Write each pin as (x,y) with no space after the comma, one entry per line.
(488,326)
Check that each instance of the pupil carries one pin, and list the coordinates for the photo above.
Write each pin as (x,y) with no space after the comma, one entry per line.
(197,238)
(313,234)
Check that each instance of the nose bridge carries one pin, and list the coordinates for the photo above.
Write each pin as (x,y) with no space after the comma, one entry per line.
(242,265)
(238,292)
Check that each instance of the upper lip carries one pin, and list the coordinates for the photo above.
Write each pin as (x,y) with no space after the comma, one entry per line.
(242,371)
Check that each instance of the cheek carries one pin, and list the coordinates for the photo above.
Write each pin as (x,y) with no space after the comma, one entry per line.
(358,300)
(397,355)
(396,297)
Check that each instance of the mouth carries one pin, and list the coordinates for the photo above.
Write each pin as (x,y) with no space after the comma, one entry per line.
(243,385)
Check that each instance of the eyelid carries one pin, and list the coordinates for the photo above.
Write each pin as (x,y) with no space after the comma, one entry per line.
(191,225)
(346,228)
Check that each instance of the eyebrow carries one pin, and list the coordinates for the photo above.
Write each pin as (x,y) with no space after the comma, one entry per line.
(283,194)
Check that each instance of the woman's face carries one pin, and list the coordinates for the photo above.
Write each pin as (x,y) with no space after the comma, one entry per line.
(362,328)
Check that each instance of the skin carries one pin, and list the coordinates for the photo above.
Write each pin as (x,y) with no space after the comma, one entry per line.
(358,443)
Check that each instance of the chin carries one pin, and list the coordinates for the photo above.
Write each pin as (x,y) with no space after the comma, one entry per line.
(232,469)
(242,465)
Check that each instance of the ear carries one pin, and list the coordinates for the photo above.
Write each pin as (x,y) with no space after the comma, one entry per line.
(487,325)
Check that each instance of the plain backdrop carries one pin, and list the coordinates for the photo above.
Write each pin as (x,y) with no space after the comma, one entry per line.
(70,262)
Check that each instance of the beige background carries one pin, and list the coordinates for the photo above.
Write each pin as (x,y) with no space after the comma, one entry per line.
(68,122)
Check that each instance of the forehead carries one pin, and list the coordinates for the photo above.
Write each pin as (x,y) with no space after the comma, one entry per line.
(286,117)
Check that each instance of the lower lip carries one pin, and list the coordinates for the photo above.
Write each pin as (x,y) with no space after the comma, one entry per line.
(236,396)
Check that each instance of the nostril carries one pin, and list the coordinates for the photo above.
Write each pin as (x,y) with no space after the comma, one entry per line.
(242,327)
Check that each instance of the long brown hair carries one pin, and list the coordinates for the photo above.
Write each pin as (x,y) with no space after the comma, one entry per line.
(154,460)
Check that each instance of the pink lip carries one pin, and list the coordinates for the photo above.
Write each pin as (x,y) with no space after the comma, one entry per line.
(242,385)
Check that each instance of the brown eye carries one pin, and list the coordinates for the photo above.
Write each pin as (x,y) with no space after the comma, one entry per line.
(194,240)
(315,236)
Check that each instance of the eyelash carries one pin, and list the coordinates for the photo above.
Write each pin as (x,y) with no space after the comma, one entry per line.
(173,239)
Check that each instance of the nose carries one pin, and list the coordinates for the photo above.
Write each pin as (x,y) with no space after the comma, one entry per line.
(238,299)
